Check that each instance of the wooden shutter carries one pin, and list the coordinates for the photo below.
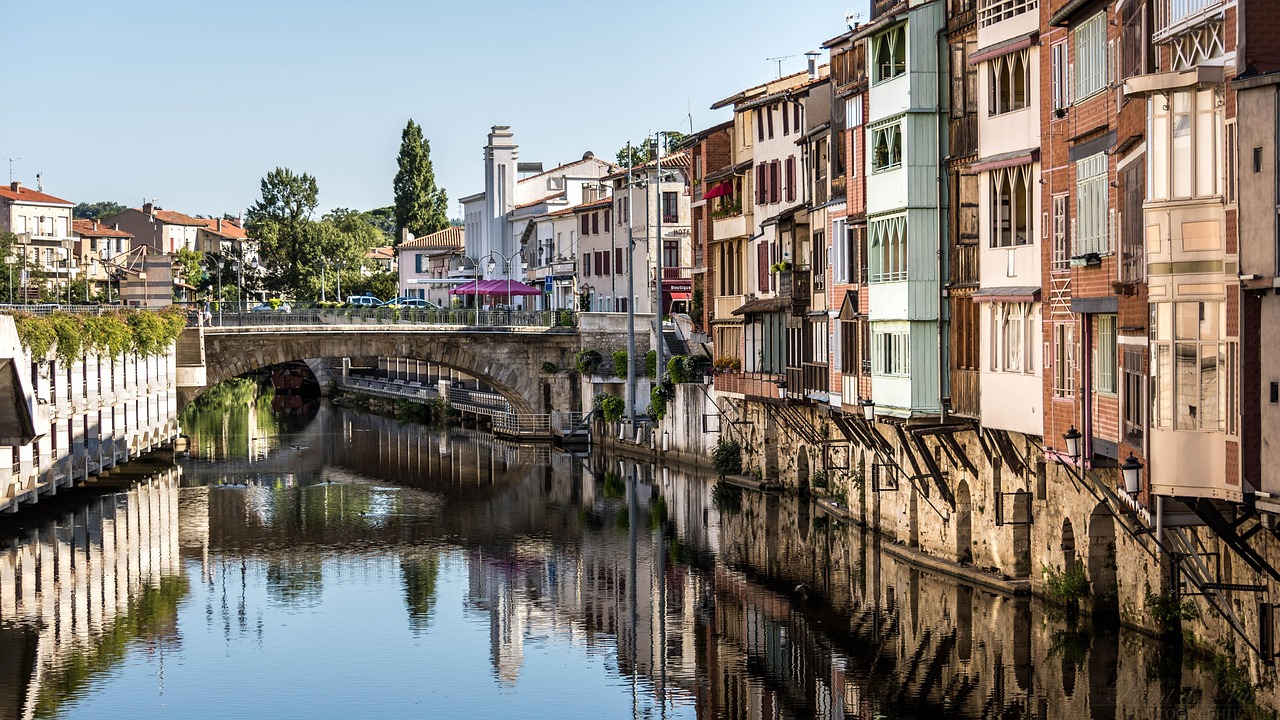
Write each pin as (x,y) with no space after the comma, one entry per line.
(760,123)
(791,179)
(584,225)
(760,184)
(586,264)
(595,223)
(786,121)
(617,261)
(762,266)
(775,185)
(608,212)
(769,109)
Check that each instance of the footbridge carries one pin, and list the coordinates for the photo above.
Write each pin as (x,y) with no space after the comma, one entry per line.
(504,349)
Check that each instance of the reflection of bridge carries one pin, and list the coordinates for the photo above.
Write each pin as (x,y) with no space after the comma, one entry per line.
(508,358)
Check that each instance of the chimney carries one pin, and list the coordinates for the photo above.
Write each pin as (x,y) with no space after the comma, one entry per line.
(15,186)
(813,56)
(95,225)
(219,224)
(148,208)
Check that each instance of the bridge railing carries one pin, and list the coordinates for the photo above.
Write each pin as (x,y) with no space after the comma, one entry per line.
(397,316)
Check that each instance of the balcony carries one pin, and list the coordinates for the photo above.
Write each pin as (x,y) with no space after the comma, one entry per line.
(729,226)
(964,135)
(726,304)
(964,266)
(966,393)
(676,273)
(795,283)
(759,385)
(1172,16)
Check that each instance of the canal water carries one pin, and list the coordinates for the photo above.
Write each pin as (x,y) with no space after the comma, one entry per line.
(309,561)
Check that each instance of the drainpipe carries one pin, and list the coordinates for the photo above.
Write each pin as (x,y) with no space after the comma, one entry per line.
(944,156)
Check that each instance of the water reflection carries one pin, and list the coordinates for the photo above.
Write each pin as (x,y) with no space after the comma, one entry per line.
(361,567)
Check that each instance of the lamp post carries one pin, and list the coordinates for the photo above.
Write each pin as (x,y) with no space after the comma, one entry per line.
(10,260)
(868,409)
(337,269)
(66,259)
(506,270)
(1131,470)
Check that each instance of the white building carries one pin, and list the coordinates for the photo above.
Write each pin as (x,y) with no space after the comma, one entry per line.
(501,218)
(430,265)
(654,213)
(42,223)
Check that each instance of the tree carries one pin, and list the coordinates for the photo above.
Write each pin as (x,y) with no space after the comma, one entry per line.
(187,265)
(281,222)
(420,206)
(97,211)
(639,152)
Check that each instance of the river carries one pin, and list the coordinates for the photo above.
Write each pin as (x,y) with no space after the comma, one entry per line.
(319,562)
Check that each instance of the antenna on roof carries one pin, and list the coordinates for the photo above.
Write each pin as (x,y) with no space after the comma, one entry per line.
(39,182)
(779,60)
(853,18)
(11,168)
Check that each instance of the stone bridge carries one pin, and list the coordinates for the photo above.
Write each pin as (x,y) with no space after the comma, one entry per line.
(509,360)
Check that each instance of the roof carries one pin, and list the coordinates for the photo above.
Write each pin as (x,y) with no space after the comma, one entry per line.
(539,201)
(678,159)
(228,229)
(451,236)
(782,83)
(22,194)
(585,159)
(693,138)
(760,307)
(173,217)
(386,252)
(93,228)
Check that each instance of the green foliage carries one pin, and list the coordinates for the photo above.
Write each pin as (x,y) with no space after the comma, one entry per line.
(639,153)
(1066,587)
(564,318)
(420,206)
(587,361)
(685,368)
(725,364)
(281,222)
(614,486)
(695,304)
(584,301)
(97,210)
(549,368)
(187,266)
(73,336)
(620,359)
(651,363)
(657,403)
(818,479)
(726,458)
(383,285)
(611,407)
(1169,611)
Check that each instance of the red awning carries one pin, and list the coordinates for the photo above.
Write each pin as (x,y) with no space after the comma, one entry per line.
(678,295)
(724,188)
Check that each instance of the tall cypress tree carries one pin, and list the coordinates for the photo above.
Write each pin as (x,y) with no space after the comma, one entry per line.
(421,206)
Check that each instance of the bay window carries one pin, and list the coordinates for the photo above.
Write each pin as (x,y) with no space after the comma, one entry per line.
(1011,206)
(1185,153)
(1193,367)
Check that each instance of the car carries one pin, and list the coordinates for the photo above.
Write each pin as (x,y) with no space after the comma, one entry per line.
(412,303)
(363,301)
(267,307)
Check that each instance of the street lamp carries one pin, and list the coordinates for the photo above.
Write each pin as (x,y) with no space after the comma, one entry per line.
(868,409)
(506,269)
(1072,438)
(10,260)
(1131,469)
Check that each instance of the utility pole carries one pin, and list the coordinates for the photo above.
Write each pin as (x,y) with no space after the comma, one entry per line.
(631,309)
(655,149)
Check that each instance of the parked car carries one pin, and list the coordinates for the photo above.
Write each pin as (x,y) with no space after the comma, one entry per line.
(411,302)
(267,307)
(363,301)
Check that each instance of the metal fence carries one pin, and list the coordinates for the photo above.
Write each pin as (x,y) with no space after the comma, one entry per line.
(462,318)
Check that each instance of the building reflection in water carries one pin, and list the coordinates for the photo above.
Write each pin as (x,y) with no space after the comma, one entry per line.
(78,589)
(699,599)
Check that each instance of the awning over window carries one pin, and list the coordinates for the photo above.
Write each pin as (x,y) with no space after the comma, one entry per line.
(849,308)
(1023,293)
(724,188)
(679,295)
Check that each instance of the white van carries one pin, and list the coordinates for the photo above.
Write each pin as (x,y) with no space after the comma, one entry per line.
(363,301)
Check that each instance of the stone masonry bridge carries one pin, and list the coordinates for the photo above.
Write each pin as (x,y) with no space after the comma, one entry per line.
(509,359)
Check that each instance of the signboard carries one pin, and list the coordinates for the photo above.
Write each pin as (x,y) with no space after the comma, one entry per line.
(550,283)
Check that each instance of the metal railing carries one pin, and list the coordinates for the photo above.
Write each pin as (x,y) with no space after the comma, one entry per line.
(408,390)
(546,319)
(993,11)
(1169,13)
(513,425)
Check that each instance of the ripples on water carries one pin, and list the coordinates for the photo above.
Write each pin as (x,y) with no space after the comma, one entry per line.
(335,564)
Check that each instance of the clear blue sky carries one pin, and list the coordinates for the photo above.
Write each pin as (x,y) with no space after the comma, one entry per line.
(192,102)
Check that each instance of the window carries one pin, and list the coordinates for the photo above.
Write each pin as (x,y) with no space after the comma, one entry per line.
(848,347)
(670,208)
(1135,41)
(1011,338)
(1195,382)
(819,260)
(1090,40)
(888,249)
(1104,357)
(1058,76)
(769,119)
(1064,360)
(890,352)
(1010,77)
(607,212)
(889,54)
(585,223)
(1185,144)
(842,251)
(1061,260)
(760,122)
(600,258)
(1091,206)
(1134,387)
(796,113)
(1133,259)
(775,181)
(671,253)
(595,223)
(586,264)
(617,261)
(886,147)
(1011,206)
(786,121)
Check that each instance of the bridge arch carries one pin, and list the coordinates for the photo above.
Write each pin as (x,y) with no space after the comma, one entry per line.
(509,362)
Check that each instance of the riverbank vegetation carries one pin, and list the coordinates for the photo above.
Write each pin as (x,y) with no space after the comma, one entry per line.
(72,336)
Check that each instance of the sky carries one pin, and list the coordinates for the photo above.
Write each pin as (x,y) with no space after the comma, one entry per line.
(192,102)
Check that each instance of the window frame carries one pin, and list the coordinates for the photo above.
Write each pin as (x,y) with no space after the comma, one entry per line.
(1092,234)
(1091,61)
(892,133)
(889,55)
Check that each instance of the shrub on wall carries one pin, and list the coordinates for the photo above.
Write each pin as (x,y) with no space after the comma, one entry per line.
(651,363)
(620,359)
(726,458)
(611,407)
(73,336)
(587,361)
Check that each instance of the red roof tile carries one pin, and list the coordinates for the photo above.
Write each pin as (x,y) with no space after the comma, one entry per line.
(28,195)
(229,229)
(173,217)
(93,228)
(451,236)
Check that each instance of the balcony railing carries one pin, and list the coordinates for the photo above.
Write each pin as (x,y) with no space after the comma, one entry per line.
(796,284)
(676,273)
(726,304)
(964,265)
(993,11)
(1171,13)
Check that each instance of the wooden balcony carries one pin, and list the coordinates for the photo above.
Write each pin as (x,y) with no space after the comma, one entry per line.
(759,385)
(964,136)
(795,284)
(964,266)
(729,226)
(726,304)
(676,273)
(966,393)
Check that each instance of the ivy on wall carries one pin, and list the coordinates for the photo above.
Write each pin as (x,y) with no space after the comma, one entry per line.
(71,336)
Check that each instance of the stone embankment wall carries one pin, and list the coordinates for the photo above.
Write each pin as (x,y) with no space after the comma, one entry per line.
(1000,506)
(87,416)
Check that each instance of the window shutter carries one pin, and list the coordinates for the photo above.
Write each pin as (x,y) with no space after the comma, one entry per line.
(586,264)
(617,261)
(760,185)
(791,179)
(584,220)
(786,121)
(776,187)
(762,267)
(769,111)
(607,213)
(595,223)
(760,123)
